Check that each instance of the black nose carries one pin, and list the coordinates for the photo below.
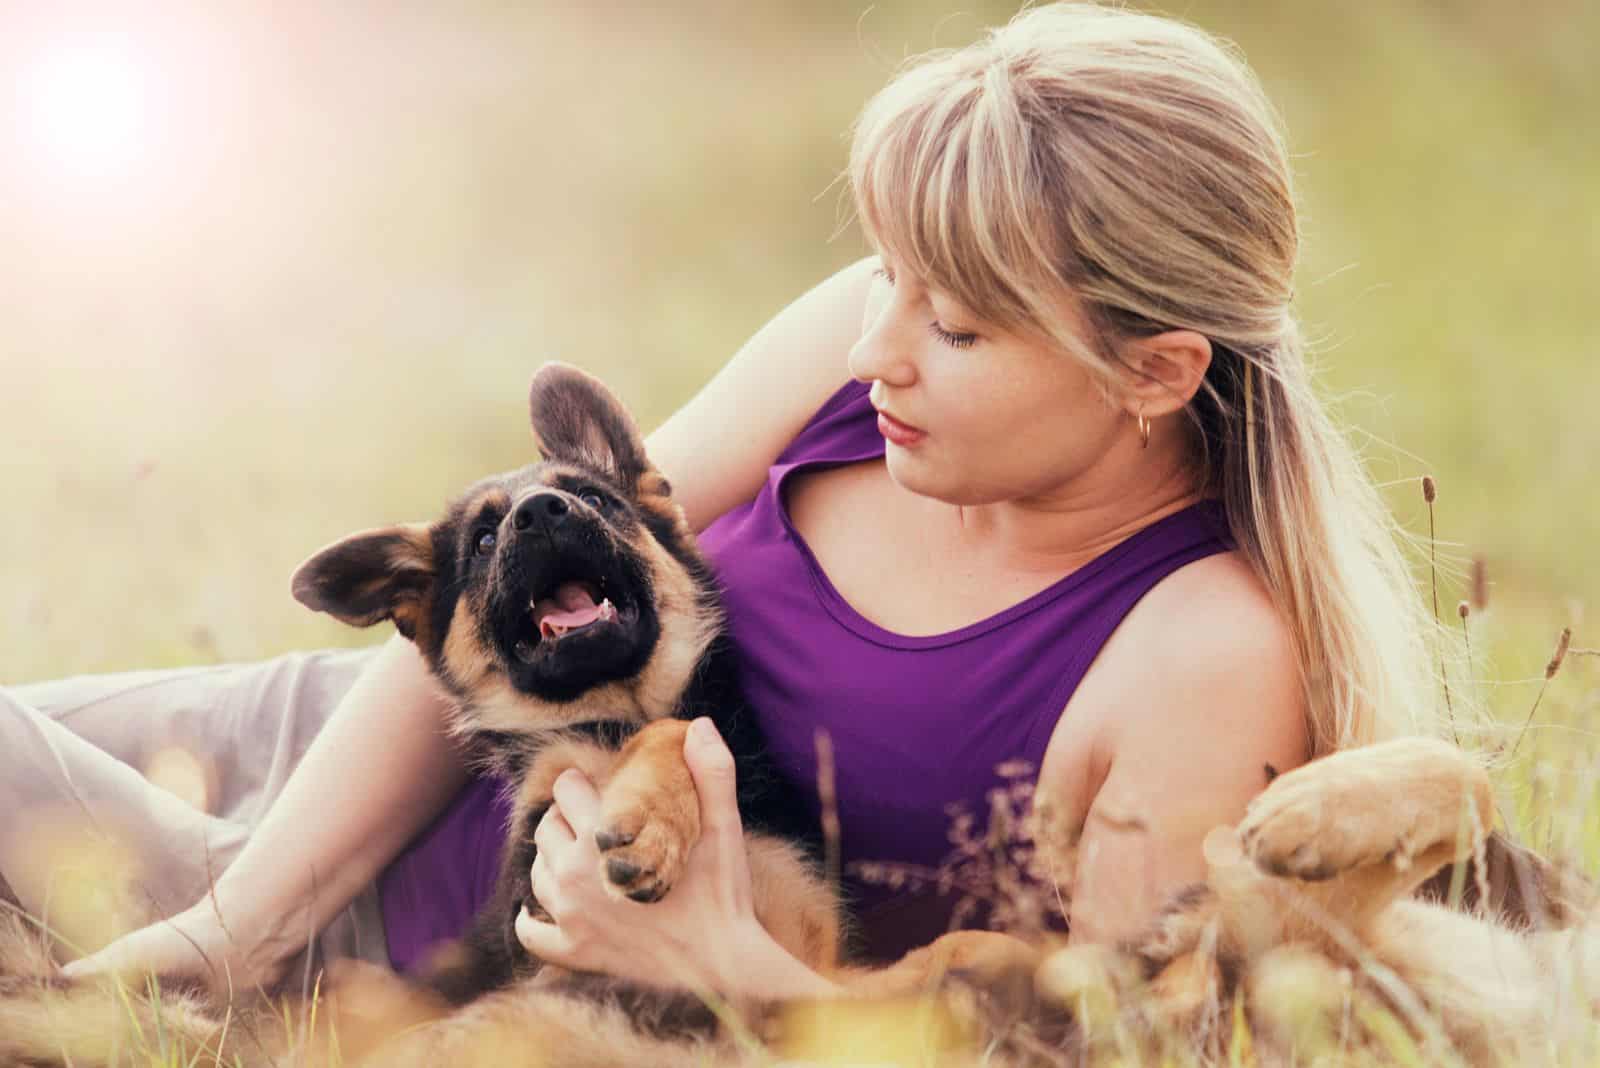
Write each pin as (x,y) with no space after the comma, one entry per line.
(541,511)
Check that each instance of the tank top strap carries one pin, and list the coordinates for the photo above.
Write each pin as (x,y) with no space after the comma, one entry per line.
(843,430)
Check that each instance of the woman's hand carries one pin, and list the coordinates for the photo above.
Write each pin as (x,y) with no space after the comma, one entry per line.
(704,933)
(196,943)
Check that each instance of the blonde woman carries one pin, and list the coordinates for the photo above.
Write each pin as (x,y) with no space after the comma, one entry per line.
(1043,481)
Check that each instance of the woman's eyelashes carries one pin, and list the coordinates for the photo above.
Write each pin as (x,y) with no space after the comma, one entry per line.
(954,338)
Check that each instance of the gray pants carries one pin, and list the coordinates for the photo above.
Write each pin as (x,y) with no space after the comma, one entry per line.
(91,845)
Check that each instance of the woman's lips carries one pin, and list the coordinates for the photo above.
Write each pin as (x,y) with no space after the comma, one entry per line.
(898,432)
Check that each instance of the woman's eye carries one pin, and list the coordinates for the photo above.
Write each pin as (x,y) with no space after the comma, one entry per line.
(954,340)
(485,543)
(593,500)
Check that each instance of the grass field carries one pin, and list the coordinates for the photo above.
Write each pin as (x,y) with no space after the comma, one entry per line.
(309,294)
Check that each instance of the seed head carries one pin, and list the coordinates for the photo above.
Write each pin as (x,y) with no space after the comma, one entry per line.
(1463,609)
(1562,644)
(1429,490)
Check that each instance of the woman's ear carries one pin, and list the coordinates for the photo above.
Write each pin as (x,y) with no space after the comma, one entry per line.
(1163,371)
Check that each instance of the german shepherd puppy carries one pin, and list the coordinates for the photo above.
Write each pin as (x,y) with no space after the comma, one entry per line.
(566,611)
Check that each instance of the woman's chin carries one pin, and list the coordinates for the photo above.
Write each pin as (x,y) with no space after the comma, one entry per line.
(915,473)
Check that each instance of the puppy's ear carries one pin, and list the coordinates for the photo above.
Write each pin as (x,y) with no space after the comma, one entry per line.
(577,420)
(371,576)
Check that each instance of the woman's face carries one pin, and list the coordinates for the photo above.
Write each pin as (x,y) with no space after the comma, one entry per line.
(976,414)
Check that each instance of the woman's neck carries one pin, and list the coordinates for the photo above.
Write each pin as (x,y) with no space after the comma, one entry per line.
(1058,531)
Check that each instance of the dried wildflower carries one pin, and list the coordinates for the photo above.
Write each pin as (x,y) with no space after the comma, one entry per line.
(1429,490)
(1463,609)
(997,871)
(1563,643)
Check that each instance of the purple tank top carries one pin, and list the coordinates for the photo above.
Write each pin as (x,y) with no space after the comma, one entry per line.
(927,732)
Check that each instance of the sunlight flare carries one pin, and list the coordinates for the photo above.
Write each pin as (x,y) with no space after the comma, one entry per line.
(87,106)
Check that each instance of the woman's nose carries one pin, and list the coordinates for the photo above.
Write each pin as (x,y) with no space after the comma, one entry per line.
(884,350)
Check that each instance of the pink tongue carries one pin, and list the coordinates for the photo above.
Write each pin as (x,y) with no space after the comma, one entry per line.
(570,607)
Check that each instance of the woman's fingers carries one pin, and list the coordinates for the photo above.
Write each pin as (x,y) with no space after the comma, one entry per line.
(544,940)
(711,765)
(579,803)
(553,832)
(543,885)
(721,831)
(138,950)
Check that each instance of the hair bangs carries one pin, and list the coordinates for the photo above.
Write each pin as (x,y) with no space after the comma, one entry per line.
(918,173)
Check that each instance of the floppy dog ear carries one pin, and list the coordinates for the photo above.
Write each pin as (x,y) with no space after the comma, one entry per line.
(580,421)
(371,576)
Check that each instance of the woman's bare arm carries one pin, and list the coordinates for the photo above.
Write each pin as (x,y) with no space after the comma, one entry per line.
(378,772)
(1169,736)
(716,449)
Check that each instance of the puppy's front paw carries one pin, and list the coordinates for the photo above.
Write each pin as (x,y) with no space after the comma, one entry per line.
(649,816)
(643,852)
(1385,803)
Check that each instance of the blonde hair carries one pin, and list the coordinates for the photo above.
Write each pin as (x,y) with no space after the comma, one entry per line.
(1091,164)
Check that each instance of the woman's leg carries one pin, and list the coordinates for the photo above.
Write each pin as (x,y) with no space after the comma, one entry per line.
(248,724)
(72,753)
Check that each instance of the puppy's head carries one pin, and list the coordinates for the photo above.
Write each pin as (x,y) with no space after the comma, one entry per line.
(567,590)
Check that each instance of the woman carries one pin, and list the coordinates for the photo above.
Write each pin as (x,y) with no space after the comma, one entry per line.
(1045,480)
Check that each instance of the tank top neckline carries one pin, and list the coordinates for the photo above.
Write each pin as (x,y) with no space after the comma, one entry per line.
(846,615)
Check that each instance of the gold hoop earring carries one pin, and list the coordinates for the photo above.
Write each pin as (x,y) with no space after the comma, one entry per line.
(1144,429)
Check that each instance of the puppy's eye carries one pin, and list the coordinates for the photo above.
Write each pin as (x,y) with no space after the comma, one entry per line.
(484,543)
(593,499)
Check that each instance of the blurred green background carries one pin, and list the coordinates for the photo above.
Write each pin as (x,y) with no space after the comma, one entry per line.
(272,273)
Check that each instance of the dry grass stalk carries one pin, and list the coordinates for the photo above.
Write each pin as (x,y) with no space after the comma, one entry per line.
(1480,584)
(1429,493)
(1563,643)
(828,795)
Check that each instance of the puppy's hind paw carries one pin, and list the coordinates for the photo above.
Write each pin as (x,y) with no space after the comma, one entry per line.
(1387,803)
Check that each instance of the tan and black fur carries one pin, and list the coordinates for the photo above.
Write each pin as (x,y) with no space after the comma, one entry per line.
(612,699)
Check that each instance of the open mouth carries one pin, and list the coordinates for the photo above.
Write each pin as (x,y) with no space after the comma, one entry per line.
(571,608)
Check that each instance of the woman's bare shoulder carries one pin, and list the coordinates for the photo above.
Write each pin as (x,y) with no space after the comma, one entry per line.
(1201,679)
(1207,644)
